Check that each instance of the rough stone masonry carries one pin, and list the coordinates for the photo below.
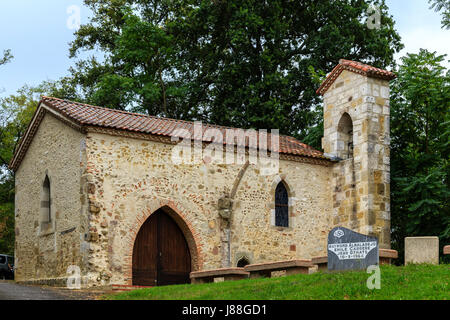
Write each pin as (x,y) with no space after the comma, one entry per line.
(108,171)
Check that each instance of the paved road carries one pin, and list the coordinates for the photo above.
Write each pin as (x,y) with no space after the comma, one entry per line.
(12,291)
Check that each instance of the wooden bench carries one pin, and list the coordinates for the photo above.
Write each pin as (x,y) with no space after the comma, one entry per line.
(228,274)
(291,267)
(447,250)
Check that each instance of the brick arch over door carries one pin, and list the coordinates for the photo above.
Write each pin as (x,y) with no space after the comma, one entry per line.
(172,210)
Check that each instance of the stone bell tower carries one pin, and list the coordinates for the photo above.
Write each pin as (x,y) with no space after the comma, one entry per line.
(356,135)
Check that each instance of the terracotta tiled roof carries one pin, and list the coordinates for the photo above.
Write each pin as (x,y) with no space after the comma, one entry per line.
(356,67)
(85,116)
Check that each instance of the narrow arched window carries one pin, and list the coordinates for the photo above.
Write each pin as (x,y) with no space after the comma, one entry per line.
(46,201)
(281,206)
(345,137)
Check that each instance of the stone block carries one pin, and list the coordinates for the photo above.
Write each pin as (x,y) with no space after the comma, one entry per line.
(380,101)
(421,250)
(94,209)
(385,92)
(93,237)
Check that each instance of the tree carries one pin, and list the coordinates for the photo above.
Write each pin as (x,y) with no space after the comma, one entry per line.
(16,112)
(240,63)
(138,64)
(444,6)
(420,104)
(7,57)
(6,216)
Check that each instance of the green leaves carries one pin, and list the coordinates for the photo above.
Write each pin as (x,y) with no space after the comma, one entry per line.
(420,104)
(7,228)
(239,63)
(444,6)
(16,112)
(7,57)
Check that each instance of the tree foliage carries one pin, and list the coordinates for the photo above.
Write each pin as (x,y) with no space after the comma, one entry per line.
(16,112)
(7,57)
(444,6)
(6,216)
(420,105)
(241,63)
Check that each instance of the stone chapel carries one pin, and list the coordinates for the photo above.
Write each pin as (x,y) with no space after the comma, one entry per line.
(98,191)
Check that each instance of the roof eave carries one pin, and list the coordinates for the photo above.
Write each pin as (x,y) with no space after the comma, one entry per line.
(25,140)
(334,74)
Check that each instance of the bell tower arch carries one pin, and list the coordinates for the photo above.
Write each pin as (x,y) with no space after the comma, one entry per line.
(356,135)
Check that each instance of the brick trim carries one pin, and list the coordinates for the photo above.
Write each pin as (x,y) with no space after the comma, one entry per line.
(180,217)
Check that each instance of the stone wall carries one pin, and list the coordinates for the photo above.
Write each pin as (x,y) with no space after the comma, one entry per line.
(131,178)
(57,151)
(361,183)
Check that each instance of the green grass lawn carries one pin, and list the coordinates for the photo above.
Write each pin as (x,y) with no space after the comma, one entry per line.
(397,283)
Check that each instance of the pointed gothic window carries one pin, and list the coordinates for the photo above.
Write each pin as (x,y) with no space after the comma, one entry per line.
(281,206)
(46,202)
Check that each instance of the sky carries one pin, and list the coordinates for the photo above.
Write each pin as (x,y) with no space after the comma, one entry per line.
(39,32)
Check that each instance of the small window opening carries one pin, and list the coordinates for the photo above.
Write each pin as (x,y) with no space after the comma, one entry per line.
(345,137)
(350,145)
(46,201)
(281,206)
(243,262)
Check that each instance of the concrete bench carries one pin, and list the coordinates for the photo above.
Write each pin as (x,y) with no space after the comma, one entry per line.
(447,250)
(386,256)
(228,274)
(321,263)
(291,267)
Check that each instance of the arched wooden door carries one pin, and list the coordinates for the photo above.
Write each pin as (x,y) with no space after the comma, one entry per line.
(161,254)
